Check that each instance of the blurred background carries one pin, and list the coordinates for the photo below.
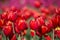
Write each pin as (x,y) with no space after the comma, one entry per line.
(21,3)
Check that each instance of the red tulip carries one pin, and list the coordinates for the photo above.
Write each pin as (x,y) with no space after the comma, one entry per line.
(36,15)
(49,24)
(19,12)
(4,15)
(44,16)
(41,21)
(52,9)
(44,29)
(38,34)
(47,37)
(57,11)
(33,24)
(16,30)
(37,4)
(58,19)
(1,23)
(23,33)
(26,15)
(21,24)
(11,16)
(44,10)
(32,33)
(25,9)
(54,20)
(57,33)
(13,8)
(7,30)
(13,37)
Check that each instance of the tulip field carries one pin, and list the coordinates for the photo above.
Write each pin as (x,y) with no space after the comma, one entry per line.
(35,22)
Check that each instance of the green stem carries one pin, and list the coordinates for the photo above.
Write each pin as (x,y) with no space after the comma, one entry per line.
(53,35)
(7,38)
(22,37)
(19,37)
(40,38)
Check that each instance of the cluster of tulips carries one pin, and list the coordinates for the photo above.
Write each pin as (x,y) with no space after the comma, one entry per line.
(14,21)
